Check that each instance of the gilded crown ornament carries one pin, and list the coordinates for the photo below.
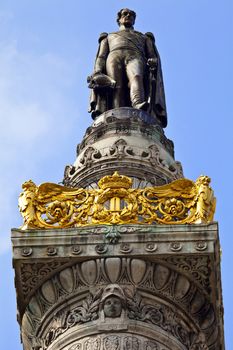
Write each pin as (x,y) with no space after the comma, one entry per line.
(115,181)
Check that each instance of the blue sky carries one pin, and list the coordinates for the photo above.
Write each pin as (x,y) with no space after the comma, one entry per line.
(47,49)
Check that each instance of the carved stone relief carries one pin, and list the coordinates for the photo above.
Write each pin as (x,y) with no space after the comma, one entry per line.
(198,267)
(89,156)
(32,273)
(120,149)
(199,343)
(108,289)
(76,347)
(118,342)
(92,344)
(68,172)
(88,177)
(126,121)
(97,148)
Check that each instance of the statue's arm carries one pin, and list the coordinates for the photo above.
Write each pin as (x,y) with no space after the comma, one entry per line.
(102,54)
(151,51)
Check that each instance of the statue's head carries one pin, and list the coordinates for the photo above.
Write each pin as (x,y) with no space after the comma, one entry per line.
(126,17)
(113,301)
(112,306)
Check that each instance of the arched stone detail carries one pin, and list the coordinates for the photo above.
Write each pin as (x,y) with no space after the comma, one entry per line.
(156,296)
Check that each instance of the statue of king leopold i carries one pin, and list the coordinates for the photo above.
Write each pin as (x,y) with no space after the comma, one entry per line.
(127,72)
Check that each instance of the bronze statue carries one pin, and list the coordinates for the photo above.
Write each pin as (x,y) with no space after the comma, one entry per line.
(127,71)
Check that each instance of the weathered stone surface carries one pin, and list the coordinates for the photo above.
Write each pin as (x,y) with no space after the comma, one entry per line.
(163,278)
(126,140)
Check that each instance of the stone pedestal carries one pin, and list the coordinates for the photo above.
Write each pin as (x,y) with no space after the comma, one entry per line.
(129,141)
(156,287)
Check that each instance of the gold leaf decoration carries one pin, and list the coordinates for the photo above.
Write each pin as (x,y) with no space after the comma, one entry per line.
(115,202)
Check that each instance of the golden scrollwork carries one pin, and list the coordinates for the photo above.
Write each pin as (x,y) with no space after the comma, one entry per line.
(115,202)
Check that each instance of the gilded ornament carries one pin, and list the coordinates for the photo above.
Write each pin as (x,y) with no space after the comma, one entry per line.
(115,202)
(115,181)
(26,204)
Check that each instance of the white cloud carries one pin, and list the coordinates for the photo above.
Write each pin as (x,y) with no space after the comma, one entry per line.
(33,102)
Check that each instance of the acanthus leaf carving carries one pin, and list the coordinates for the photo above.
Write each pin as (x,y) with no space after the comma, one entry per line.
(159,315)
(199,267)
(87,312)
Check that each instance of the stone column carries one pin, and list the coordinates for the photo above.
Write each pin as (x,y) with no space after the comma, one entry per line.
(154,287)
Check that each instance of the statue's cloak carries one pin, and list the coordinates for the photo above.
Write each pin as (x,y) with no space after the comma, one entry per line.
(100,99)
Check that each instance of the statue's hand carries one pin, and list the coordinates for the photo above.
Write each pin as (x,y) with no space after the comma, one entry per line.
(152,62)
(99,80)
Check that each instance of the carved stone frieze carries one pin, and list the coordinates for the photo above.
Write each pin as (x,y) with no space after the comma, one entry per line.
(156,279)
(199,342)
(120,149)
(141,177)
(68,172)
(159,315)
(199,267)
(92,344)
(85,313)
(89,156)
(118,342)
(154,156)
(32,273)
(112,142)
(168,292)
(134,308)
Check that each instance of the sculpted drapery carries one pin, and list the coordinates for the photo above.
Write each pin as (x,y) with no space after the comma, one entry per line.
(127,72)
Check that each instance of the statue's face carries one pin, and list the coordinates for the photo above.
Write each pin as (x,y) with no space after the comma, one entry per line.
(112,307)
(127,18)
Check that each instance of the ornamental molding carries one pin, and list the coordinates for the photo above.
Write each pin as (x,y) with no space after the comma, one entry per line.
(132,308)
(157,279)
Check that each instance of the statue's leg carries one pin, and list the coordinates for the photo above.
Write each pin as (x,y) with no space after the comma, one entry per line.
(135,71)
(114,69)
